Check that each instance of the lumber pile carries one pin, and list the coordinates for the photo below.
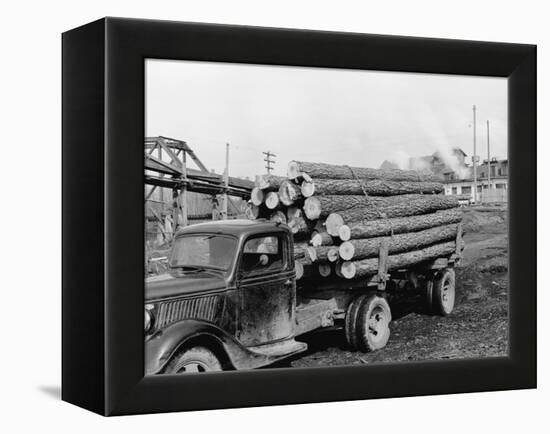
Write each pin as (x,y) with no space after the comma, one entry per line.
(344,219)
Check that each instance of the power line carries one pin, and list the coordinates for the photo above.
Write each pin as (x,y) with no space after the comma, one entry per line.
(270,160)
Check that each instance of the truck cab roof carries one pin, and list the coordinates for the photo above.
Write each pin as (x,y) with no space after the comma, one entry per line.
(237,228)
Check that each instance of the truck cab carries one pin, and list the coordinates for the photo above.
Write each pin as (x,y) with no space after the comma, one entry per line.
(228,300)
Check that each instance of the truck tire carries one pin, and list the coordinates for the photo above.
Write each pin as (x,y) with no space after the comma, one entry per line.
(372,327)
(350,321)
(428,292)
(193,360)
(443,292)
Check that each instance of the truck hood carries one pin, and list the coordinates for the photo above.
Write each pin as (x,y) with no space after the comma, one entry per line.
(172,285)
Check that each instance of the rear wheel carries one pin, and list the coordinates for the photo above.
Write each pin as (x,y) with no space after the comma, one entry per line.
(193,360)
(443,292)
(350,323)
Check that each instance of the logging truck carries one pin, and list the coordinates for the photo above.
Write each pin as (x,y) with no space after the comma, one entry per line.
(231,299)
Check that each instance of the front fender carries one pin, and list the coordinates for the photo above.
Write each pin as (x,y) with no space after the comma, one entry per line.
(162,345)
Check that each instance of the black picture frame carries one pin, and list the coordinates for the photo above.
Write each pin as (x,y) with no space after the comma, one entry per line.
(102,295)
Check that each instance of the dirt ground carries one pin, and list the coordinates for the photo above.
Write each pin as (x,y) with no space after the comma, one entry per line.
(478,326)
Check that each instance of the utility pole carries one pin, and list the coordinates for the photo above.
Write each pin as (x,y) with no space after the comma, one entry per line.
(269,159)
(225,183)
(488,159)
(474,158)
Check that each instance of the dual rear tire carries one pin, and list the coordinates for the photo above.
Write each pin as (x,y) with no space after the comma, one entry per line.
(367,323)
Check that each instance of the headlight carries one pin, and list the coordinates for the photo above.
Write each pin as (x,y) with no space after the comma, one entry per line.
(148,319)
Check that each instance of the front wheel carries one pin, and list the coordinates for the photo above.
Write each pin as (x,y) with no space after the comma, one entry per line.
(192,360)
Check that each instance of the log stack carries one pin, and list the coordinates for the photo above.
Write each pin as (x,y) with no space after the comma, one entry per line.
(342,217)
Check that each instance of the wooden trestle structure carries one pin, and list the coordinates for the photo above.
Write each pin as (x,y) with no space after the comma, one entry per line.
(166,167)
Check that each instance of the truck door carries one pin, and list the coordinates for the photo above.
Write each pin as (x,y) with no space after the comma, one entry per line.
(267,290)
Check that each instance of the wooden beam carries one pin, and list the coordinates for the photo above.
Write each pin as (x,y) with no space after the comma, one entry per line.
(173,157)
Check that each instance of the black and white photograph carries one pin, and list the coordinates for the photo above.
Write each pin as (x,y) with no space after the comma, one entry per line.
(300,217)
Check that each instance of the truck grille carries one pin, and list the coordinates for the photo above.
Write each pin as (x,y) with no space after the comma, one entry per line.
(195,308)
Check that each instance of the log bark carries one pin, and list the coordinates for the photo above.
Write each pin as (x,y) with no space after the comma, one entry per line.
(377,228)
(367,267)
(270,182)
(402,205)
(389,207)
(323,253)
(333,171)
(289,193)
(375,187)
(368,248)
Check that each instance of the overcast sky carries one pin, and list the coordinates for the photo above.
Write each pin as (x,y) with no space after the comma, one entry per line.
(359,118)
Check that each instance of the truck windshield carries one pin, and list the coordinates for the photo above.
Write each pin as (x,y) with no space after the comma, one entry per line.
(203,251)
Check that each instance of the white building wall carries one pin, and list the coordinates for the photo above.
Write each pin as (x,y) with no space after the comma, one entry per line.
(497,193)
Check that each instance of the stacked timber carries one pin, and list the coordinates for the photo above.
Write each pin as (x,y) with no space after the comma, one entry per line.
(343,218)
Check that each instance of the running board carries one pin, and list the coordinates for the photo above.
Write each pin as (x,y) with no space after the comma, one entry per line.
(281,349)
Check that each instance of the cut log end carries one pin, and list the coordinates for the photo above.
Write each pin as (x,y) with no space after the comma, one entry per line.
(344,232)
(312,208)
(257,196)
(316,239)
(293,213)
(333,254)
(293,170)
(324,269)
(346,250)
(333,223)
(289,193)
(312,253)
(252,211)
(348,270)
(307,188)
(279,217)
(272,200)
(298,226)
(321,239)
